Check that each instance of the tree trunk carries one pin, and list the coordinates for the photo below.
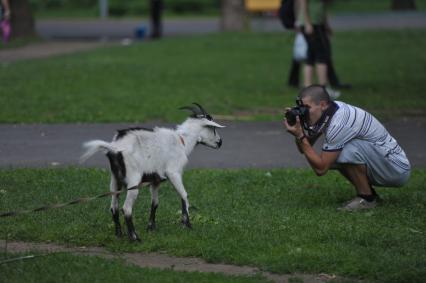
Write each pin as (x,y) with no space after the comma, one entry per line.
(403,5)
(233,15)
(22,20)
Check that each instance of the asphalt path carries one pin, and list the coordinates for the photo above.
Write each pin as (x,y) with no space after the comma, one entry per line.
(245,145)
(126,28)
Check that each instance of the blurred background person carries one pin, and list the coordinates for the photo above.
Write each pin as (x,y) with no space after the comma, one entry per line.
(5,20)
(155,10)
(312,20)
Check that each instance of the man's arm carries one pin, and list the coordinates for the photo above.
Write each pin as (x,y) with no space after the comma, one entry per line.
(303,5)
(319,163)
(311,140)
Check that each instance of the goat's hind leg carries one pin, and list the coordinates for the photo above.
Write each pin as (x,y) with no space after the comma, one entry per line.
(132,194)
(154,205)
(114,206)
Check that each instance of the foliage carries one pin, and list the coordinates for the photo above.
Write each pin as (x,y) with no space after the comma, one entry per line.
(283,221)
(85,8)
(124,8)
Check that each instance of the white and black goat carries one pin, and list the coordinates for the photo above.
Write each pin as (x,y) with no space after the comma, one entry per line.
(139,155)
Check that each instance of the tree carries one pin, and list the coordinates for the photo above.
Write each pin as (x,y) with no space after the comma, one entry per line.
(22,20)
(403,5)
(233,15)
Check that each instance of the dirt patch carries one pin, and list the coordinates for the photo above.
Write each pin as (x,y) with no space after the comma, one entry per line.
(47,49)
(163,261)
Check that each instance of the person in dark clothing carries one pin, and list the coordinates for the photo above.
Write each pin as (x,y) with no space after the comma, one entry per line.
(312,21)
(156,7)
(5,20)
(333,79)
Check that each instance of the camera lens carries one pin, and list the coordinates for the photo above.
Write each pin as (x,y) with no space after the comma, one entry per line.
(291,117)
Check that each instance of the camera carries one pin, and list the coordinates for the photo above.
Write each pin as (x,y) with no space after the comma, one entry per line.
(300,110)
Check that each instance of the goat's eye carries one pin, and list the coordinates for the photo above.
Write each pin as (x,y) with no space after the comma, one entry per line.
(212,128)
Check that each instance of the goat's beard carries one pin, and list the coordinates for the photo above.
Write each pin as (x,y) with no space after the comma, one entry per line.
(209,145)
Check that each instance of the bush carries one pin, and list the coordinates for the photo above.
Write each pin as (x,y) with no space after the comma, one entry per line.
(129,7)
(191,6)
(55,4)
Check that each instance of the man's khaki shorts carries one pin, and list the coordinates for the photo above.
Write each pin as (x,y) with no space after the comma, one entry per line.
(382,168)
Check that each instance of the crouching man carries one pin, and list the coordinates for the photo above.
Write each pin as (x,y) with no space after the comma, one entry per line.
(356,144)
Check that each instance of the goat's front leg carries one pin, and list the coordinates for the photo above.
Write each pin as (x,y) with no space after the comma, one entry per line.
(114,207)
(132,194)
(154,206)
(176,180)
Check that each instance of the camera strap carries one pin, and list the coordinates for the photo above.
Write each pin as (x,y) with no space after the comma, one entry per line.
(323,122)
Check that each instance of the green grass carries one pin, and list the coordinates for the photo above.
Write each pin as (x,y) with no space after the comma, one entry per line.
(67,13)
(61,267)
(241,74)
(20,42)
(282,222)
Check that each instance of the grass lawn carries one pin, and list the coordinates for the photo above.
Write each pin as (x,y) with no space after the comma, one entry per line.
(20,42)
(284,222)
(238,74)
(92,269)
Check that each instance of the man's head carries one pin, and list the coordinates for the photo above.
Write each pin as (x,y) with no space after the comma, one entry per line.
(317,99)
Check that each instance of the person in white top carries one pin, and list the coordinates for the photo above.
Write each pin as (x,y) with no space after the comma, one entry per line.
(355,143)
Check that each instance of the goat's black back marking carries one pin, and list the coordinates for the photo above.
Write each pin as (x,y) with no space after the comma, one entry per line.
(123,132)
(118,167)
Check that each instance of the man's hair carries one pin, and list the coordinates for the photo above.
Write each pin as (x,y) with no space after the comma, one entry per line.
(316,93)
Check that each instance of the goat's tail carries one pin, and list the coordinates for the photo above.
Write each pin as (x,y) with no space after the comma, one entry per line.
(95,146)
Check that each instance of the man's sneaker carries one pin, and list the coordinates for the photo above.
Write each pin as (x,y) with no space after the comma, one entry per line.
(334,94)
(357,204)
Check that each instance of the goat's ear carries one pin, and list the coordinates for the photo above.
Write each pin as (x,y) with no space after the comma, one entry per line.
(213,124)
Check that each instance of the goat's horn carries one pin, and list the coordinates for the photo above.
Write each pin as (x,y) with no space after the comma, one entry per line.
(205,114)
(201,108)
(195,112)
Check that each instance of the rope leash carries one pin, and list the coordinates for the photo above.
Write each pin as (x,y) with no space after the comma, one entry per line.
(61,205)
(23,258)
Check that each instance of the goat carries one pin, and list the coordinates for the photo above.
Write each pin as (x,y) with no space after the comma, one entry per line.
(138,156)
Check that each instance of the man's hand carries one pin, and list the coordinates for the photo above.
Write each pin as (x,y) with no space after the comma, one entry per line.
(296,130)
(309,29)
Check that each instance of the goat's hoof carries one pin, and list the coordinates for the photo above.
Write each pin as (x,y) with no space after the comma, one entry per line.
(187,225)
(151,227)
(134,238)
(118,232)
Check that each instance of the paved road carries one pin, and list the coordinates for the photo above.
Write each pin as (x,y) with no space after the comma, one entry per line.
(114,29)
(258,144)
(245,145)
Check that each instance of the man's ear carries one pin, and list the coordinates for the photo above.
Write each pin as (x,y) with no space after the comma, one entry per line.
(323,104)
